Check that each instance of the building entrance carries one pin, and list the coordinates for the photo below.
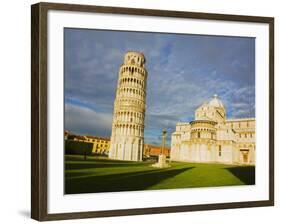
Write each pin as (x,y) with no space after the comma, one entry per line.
(244,155)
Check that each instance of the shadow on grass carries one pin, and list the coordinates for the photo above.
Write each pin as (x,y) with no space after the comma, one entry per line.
(97,159)
(120,182)
(245,173)
(93,164)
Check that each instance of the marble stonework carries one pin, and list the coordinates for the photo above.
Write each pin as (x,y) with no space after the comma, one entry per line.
(127,137)
(211,137)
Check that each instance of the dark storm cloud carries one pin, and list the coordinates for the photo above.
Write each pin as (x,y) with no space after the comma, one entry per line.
(184,71)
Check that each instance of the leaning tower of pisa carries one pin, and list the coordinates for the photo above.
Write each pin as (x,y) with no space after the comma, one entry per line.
(127,136)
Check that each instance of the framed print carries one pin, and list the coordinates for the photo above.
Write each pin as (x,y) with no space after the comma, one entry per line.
(140,111)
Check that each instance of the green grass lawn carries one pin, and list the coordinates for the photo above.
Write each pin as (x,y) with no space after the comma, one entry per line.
(103,175)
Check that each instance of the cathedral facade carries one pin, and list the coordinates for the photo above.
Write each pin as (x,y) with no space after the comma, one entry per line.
(127,136)
(212,138)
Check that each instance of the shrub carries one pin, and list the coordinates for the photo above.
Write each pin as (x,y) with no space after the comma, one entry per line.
(78,148)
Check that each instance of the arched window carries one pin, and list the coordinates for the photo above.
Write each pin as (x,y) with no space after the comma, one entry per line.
(133,61)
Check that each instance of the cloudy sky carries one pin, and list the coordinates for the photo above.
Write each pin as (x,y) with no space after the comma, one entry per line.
(183,72)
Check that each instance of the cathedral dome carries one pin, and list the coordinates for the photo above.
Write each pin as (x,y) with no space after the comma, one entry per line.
(216,102)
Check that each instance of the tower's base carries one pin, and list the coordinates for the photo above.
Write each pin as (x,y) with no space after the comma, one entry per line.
(127,151)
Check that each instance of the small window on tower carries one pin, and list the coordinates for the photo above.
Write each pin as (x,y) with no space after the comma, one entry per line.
(219,150)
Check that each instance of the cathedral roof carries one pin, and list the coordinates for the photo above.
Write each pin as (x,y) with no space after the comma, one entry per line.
(216,102)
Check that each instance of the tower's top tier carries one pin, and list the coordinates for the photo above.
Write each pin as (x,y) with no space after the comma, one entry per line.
(134,58)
